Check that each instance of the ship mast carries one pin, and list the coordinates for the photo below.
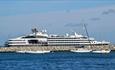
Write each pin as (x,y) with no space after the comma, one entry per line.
(85,27)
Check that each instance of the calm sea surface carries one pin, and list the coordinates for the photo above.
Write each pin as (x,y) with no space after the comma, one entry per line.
(57,61)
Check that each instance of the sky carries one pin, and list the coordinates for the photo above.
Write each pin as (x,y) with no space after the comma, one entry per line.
(18,17)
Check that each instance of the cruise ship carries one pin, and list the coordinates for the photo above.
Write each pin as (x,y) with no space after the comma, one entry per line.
(41,38)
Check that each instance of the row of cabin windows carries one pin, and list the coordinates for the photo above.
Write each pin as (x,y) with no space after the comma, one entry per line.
(68,42)
(16,42)
(67,37)
(36,42)
(77,45)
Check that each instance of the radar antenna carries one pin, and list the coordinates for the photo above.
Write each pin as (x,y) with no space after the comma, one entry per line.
(34,30)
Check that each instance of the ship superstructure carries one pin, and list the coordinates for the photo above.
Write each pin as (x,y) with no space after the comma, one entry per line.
(36,38)
(41,38)
(73,40)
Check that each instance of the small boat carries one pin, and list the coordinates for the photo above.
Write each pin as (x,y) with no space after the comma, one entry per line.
(20,51)
(33,51)
(101,51)
(81,50)
(37,51)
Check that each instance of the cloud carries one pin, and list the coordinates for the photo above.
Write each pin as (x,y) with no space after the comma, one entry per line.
(109,11)
(72,25)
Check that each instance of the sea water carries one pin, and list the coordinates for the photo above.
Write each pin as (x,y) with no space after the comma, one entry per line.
(57,61)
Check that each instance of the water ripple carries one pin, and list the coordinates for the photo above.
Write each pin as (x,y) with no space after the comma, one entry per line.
(57,61)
